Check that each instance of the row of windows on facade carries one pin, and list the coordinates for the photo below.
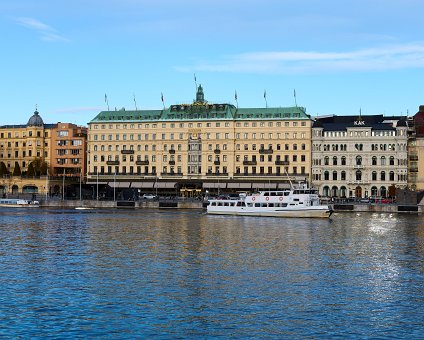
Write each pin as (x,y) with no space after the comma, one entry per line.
(198,158)
(17,135)
(64,152)
(209,135)
(197,147)
(358,161)
(359,147)
(198,125)
(335,176)
(23,144)
(62,161)
(342,192)
(72,142)
(24,154)
(197,170)
(374,133)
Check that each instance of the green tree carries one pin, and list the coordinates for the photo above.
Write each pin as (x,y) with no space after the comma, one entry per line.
(17,170)
(3,169)
(31,171)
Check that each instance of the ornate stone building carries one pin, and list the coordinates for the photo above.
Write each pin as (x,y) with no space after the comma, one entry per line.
(359,156)
(201,145)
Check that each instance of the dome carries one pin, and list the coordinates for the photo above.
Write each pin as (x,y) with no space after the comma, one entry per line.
(35,120)
(402,123)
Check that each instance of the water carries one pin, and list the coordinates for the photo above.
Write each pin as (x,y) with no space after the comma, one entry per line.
(183,274)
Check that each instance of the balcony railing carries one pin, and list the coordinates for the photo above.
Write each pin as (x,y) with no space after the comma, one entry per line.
(172,151)
(171,162)
(250,162)
(266,151)
(217,174)
(249,174)
(112,162)
(217,162)
(164,174)
(413,169)
(127,152)
(282,163)
(217,151)
(142,162)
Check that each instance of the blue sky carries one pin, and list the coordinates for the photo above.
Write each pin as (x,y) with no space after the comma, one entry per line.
(340,56)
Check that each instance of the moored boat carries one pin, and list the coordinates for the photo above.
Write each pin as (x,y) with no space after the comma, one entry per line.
(295,202)
(18,203)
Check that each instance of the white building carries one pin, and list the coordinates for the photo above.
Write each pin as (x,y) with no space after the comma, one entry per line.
(359,156)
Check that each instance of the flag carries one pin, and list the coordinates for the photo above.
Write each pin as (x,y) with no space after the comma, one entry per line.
(195,78)
(105,98)
(235,95)
(161,96)
(294,93)
(265,94)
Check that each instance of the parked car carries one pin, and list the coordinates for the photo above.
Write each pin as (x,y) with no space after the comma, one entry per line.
(149,196)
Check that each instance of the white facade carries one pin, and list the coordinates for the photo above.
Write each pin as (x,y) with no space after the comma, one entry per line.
(359,158)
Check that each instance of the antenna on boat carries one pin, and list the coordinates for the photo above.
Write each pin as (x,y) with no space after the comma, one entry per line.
(288,177)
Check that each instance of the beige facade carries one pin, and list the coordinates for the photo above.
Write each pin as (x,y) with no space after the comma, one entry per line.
(201,142)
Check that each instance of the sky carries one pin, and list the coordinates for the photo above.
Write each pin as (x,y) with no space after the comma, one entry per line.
(339,57)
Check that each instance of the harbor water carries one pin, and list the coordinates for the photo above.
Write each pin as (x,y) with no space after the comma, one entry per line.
(126,274)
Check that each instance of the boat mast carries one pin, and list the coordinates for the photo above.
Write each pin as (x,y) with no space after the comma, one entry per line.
(288,177)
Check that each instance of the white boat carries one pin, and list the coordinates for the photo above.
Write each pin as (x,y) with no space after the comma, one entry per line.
(18,203)
(295,202)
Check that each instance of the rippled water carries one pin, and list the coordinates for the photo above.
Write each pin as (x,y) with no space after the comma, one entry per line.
(167,274)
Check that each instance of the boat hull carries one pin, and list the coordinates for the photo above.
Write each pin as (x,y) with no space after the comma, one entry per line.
(294,213)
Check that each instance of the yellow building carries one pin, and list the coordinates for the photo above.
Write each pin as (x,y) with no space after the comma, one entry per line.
(32,154)
(200,145)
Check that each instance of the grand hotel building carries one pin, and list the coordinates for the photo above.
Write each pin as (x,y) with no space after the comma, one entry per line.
(200,145)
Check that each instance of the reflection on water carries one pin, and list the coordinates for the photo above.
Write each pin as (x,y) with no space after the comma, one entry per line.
(186,274)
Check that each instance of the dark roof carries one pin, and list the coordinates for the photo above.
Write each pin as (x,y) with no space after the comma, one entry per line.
(35,120)
(375,122)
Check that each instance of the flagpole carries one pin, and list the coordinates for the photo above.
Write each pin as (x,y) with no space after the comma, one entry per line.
(295,100)
(107,102)
(135,103)
(235,97)
(163,101)
(195,81)
(266,103)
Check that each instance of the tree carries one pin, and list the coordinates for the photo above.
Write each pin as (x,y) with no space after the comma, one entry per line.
(31,171)
(3,169)
(39,167)
(17,170)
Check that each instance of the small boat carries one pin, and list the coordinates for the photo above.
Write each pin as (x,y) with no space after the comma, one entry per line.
(301,201)
(18,203)
(83,208)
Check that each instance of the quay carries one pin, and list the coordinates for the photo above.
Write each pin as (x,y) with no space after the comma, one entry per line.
(199,204)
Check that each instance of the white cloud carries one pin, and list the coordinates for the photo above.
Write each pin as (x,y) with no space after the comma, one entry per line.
(47,33)
(293,62)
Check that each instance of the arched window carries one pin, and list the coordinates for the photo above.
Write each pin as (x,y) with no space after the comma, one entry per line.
(383,160)
(392,160)
(343,175)
(358,160)
(334,175)
(391,176)
(374,191)
(326,191)
(374,175)
(326,160)
(374,160)
(358,175)
(343,192)
(383,176)
(334,192)
(343,161)
(383,192)
(326,176)
(335,160)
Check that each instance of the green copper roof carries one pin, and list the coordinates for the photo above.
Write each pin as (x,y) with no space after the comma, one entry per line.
(202,110)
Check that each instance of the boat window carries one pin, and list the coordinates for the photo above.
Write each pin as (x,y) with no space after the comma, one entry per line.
(286,193)
(270,205)
(257,204)
(266,193)
(249,204)
(283,205)
(273,193)
(239,204)
(296,199)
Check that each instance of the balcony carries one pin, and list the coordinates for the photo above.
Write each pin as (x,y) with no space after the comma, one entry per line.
(145,162)
(112,162)
(266,151)
(164,174)
(224,174)
(172,151)
(413,169)
(127,152)
(250,162)
(413,158)
(359,166)
(217,163)
(217,151)
(282,162)
(171,162)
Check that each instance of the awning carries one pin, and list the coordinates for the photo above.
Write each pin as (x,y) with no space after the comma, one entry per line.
(265,185)
(167,185)
(245,185)
(215,185)
(233,185)
(95,183)
(142,184)
(283,185)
